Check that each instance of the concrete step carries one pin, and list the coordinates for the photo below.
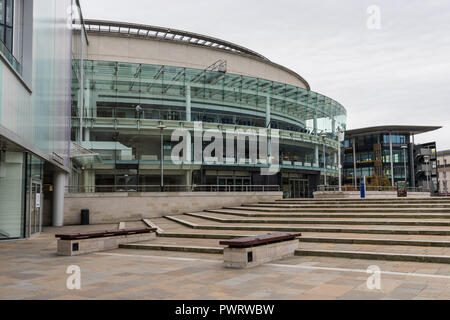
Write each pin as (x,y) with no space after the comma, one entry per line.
(218,236)
(383,242)
(317,239)
(349,205)
(374,256)
(392,248)
(167,247)
(367,200)
(197,223)
(199,245)
(343,210)
(356,221)
(259,214)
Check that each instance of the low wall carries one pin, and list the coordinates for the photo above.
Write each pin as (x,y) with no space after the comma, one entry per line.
(369,194)
(118,207)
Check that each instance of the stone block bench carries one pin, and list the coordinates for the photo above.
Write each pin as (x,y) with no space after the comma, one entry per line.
(73,244)
(252,251)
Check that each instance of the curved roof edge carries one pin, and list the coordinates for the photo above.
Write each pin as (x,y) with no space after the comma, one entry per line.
(169,34)
(396,128)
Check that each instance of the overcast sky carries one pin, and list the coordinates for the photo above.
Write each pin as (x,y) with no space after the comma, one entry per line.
(399,74)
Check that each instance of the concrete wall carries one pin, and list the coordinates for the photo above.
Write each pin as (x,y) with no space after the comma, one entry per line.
(159,52)
(369,194)
(117,207)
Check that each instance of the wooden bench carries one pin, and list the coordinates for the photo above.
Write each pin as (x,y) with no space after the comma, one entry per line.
(252,251)
(71,244)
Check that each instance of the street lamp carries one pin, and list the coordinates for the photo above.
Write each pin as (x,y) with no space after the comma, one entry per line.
(161,127)
(138,111)
(404,161)
(324,160)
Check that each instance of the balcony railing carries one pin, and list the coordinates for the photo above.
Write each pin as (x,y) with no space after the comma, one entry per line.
(10,58)
(369,188)
(172,188)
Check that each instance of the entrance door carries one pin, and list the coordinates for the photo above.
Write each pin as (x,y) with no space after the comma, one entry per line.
(126,183)
(298,188)
(35,217)
(233,184)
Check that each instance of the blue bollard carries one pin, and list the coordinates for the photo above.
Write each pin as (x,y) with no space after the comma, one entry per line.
(363,187)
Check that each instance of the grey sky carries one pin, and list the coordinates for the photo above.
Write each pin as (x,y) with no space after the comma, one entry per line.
(399,74)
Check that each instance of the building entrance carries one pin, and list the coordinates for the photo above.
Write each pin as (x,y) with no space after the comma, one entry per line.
(235,184)
(35,216)
(298,188)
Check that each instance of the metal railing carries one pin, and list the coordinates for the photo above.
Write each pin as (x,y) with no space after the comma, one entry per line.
(370,188)
(172,188)
(11,59)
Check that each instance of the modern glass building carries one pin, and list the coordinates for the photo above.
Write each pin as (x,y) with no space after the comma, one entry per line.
(134,83)
(35,66)
(386,155)
(443,162)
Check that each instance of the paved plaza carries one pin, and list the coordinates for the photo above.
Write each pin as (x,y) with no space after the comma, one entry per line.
(30,269)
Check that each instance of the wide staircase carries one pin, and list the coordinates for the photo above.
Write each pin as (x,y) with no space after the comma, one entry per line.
(376,229)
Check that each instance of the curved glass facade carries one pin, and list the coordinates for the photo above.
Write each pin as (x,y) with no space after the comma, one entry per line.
(114,89)
(124,103)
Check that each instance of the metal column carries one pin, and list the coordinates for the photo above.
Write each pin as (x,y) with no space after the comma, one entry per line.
(268,116)
(354,163)
(392,160)
(411,164)
(188,103)
(59,183)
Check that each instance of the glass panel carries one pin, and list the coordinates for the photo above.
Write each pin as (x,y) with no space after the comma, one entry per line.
(12,182)
(9,12)
(8,38)
(2,11)
(33,209)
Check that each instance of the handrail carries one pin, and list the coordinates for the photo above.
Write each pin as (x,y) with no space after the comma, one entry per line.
(332,188)
(172,188)
(10,58)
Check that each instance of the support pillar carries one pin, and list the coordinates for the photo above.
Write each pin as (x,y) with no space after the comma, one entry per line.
(354,163)
(392,160)
(412,164)
(87,134)
(316,155)
(268,116)
(333,126)
(188,103)
(315,123)
(59,183)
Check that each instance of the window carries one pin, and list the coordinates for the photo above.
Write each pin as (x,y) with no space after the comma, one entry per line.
(347,144)
(6,23)
(396,139)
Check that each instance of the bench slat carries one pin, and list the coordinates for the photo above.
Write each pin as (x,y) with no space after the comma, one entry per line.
(259,240)
(102,233)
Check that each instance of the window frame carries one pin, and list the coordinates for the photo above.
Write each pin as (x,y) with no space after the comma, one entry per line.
(5,25)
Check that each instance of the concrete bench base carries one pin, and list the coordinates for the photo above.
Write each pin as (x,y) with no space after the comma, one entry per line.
(241,258)
(78,247)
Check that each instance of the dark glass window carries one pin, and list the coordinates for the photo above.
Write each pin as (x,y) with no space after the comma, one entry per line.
(347,144)
(6,23)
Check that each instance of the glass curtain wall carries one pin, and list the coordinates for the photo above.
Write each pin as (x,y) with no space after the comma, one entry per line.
(115,89)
